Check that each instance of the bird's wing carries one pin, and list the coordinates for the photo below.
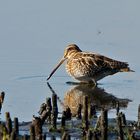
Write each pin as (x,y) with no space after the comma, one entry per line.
(101,61)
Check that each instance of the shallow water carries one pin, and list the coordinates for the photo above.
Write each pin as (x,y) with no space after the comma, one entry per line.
(33,36)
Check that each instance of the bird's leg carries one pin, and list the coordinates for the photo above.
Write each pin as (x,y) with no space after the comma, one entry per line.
(72,83)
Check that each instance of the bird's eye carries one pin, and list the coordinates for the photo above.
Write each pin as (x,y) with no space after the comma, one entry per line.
(69,49)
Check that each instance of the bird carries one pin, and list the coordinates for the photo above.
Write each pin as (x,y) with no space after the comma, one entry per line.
(89,67)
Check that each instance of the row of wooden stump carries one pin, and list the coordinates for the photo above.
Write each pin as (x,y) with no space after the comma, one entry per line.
(48,114)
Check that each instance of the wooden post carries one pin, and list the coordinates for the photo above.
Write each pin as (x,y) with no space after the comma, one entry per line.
(25,137)
(54,101)
(42,108)
(8,122)
(0,106)
(32,132)
(1,99)
(117,108)
(38,127)
(44,137)
(49,109)
(123,119)
(79,116)
(16,125)
(89,135)
(53,138)
(54,110)
(68,114)
(85,114)
(139,116)
(120,130)
(95,137)
(46,115)
(48,103)
(54,120)
(92,111)
(63,119)
(104,124)
(2,96)
(66,136)
(13,135)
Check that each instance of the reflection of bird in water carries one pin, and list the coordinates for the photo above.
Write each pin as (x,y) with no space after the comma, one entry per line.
(96,96)
(89,67)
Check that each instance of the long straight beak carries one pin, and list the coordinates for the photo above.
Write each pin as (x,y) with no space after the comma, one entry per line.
(57,66)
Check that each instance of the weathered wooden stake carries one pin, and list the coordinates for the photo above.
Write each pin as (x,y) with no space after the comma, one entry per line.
(54,110)
(42,108)
(63,119)
(2,96)
(13,135)
(66,136)
(53,138)
(92,111)
(48,109)
(37,127)
(104,124)
(0,106)
(48,103)
(89,135)
(32,132)
(16,125)
(1,99)
(8,122)
(44,137)
(117,108)
(79,116)
(123,119)
(45,116)
(54,101)
(25,137)
(139,116)
(85,114)
(120,130)
(68,114)
(54,120)
(95,137)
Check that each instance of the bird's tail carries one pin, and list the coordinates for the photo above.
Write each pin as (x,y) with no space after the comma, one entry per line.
(123,66)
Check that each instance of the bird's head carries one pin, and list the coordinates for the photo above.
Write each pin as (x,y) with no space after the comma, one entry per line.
(68,53)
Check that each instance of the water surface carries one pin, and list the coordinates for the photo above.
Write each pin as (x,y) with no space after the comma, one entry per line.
(33,35)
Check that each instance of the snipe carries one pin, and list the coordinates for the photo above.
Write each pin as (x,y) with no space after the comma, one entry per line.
(89,67)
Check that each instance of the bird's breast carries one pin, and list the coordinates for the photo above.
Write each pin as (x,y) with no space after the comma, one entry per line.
(78,68)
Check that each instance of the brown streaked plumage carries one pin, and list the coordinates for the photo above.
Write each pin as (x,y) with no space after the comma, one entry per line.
(89,67)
